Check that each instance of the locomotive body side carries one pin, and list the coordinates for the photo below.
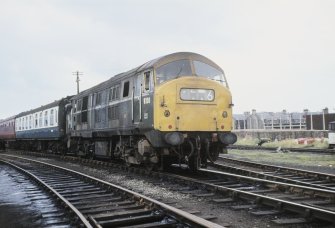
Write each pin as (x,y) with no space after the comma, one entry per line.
(101,116)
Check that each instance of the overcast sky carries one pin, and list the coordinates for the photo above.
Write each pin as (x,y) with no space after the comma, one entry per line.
(277,54)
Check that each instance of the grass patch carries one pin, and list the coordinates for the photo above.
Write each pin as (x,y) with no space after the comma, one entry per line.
(247,142)
(287,143)
(299,159)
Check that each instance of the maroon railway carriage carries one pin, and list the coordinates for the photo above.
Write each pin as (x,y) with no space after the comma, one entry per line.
(7,131)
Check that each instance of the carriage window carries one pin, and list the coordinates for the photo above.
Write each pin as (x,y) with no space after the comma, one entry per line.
(126,89)
(36,121)
(30,122)
(46,118)
(51,117)
(56,114)
(40,120)
(173,70)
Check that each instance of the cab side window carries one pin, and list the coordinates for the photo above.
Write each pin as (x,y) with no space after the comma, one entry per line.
(146,85)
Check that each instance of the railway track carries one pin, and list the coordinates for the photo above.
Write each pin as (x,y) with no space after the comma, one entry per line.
(97,203)
(290,203)
(265,196)
(19,195)
(276,173)
(301,150)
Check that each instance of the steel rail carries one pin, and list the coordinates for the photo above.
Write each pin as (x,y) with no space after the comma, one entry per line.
(301,150)
(266,176)
(182,216)
(280,204)
(324,176)
(82,218)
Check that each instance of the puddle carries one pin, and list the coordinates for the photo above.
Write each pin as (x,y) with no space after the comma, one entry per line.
(20,205)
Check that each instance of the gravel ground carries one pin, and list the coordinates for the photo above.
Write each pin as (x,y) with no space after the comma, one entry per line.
(146,186)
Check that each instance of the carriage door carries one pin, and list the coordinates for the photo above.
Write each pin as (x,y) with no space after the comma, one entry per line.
(137,98)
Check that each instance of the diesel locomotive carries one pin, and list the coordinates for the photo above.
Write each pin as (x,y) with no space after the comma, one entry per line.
(173,109)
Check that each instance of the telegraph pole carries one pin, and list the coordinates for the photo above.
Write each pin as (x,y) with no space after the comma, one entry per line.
(77,80)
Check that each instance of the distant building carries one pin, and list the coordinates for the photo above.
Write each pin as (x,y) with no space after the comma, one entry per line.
(284,120)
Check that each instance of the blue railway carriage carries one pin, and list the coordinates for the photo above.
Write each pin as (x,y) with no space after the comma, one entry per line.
(331,135)
(173,109)
(42,128)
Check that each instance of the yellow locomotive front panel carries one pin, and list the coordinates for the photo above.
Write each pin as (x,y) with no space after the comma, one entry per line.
(192,109)
(191,104)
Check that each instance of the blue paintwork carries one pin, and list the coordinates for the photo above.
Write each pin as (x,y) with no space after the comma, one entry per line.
(44,133)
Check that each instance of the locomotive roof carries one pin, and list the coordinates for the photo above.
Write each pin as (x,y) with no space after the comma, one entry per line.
(148,65)
(177,56)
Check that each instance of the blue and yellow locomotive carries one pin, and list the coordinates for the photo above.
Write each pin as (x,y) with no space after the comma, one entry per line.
(174,109)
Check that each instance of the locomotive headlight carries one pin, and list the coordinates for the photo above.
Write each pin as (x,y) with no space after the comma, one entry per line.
(174,138)
(224,114)
(227,138)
